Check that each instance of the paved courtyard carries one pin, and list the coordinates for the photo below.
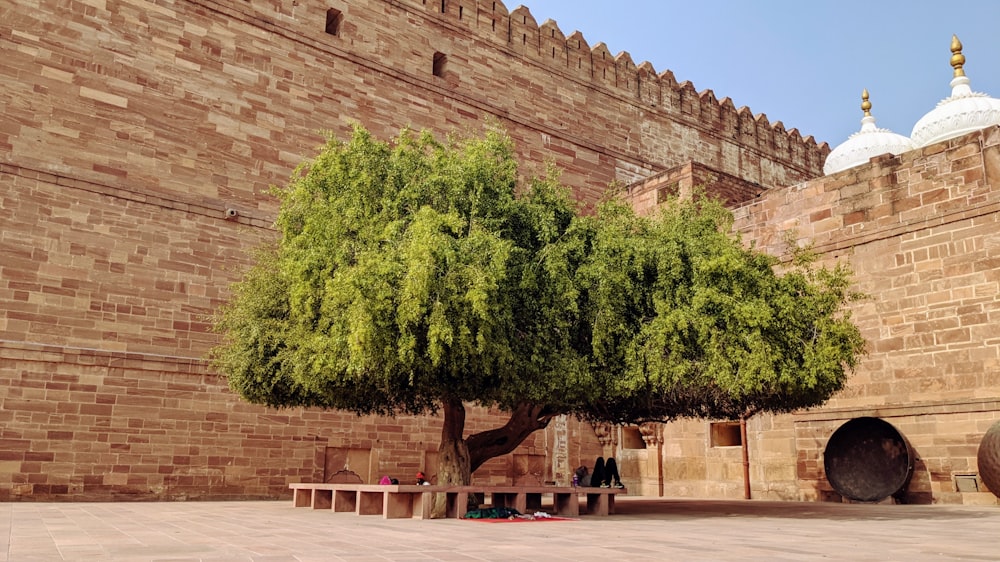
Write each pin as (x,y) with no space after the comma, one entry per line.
(643,529)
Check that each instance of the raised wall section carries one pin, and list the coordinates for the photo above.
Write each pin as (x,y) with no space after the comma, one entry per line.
(922,233)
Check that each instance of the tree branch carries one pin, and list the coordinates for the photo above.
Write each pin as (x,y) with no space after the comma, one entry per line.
(524,420)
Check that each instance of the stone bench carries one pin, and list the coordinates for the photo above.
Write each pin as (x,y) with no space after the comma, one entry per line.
(395,501)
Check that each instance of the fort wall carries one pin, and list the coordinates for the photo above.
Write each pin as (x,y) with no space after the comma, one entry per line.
(920,232)
(85,424)
(130,127)
(106,391)
(218,99)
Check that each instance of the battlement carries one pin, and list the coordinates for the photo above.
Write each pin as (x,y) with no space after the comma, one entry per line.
(563,58)
(548,44)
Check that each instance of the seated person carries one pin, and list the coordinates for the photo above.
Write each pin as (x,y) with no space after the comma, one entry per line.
(606,474)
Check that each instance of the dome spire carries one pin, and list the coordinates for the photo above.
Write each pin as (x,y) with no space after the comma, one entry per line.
(957,58)
(870,141)
(962,112)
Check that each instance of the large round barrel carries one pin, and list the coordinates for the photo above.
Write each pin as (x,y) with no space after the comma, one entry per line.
(868,460)
(989,459)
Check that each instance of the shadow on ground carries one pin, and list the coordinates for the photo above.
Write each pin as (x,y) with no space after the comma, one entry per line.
(670,509)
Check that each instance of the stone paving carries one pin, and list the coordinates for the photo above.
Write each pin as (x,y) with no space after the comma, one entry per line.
(643,529)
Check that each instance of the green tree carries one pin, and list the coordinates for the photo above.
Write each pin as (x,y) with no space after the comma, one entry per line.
(413,277)
(689,322)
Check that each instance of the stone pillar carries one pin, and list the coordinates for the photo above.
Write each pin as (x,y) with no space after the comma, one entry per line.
(562,474)
(607,436)
(652,435)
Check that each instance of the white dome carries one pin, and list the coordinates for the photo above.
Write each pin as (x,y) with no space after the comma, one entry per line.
(963,112)
(870,141)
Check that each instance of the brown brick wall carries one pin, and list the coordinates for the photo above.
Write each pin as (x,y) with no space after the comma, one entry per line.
(105,390)
(129,127)
(920,232)
(216,100)
(83,424)
(681,181)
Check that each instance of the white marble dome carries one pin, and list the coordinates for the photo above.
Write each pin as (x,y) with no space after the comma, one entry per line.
(963,112)
(869,142)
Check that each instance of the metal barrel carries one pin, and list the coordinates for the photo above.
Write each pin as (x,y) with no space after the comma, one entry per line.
(867,459)
(988,459)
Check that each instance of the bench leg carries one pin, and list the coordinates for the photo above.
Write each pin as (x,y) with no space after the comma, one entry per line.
(423,503)
(597,504)
(458,504)
(566,505)
(302,497)
(345,501)
(322,499)
(398,506)
(370,503)
(521,501)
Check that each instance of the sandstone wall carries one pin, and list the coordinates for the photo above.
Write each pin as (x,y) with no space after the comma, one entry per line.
(84,424)
(215,100)
(130,127)
(920,231)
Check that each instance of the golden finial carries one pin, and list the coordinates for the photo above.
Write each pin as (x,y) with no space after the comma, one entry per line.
(866,105)
(957,58)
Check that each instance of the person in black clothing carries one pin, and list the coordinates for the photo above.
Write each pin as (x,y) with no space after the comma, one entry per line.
(597,477)
(611,476)
(606,474)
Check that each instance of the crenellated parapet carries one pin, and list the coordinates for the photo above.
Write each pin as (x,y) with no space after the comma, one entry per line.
(517,34)
(547,44)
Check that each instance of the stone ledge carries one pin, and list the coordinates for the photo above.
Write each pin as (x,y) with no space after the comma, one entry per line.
(896,411)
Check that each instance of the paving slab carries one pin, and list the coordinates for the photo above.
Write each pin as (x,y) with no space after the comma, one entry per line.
(644,529)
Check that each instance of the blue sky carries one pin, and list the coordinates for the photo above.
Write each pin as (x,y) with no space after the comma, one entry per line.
(802,62)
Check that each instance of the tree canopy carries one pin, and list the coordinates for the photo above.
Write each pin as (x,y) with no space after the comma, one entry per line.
(419,275)
(688,322)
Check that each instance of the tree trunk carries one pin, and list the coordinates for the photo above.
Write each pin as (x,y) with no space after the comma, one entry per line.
(458,458)
(453,455)
(746,458)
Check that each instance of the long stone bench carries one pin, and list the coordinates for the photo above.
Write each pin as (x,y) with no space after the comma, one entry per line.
(396,501)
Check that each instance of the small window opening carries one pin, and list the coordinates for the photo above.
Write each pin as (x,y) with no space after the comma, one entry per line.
(460,10)
(440,59)
(524,38)
(632,438)
(966,483)
(444,7)
(334,18)
(553,52)
(726,434)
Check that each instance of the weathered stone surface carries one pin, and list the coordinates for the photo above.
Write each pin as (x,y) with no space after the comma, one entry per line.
(988,459)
